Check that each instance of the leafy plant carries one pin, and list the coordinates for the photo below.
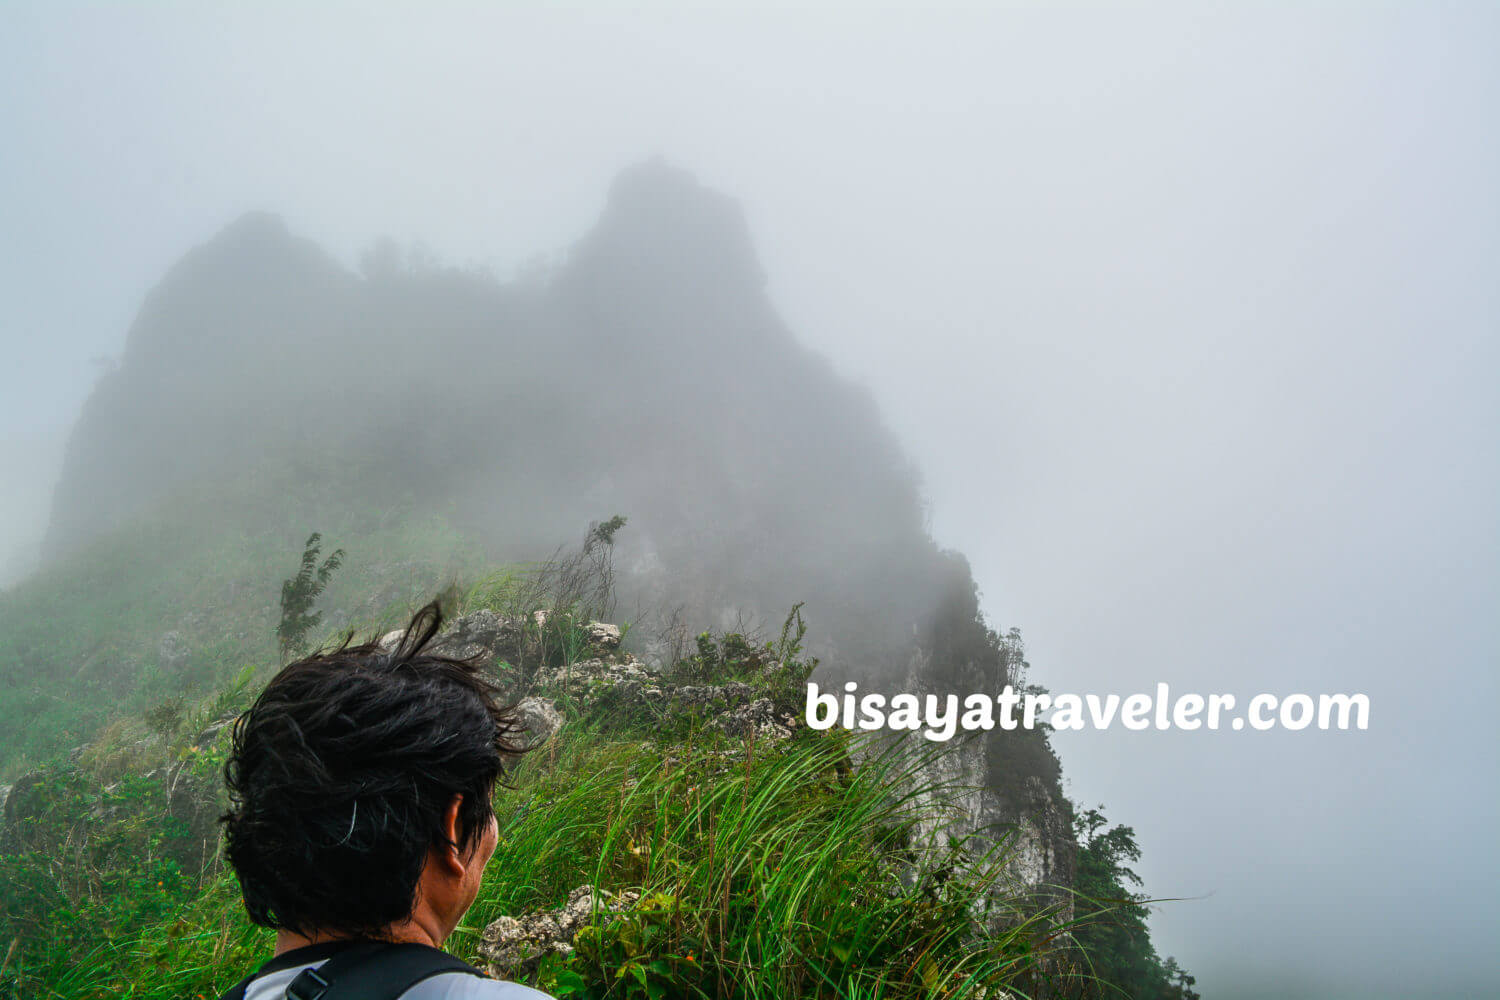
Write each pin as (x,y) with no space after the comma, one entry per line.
(1111,919)
(300,592)
(554,601)
(638,954)
(776,666)
(166,718)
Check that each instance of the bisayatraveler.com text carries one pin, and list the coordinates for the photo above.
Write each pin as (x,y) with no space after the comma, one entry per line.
(941,717)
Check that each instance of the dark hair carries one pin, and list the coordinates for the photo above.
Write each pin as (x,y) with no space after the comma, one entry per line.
(340,774)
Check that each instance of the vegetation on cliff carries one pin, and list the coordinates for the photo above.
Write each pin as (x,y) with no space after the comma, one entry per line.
(436,424)
(754,857)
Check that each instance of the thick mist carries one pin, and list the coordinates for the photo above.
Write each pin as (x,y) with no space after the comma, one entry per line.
(1187,320)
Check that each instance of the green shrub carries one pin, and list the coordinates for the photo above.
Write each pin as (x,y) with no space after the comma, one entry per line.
(298,594)
(1111,926)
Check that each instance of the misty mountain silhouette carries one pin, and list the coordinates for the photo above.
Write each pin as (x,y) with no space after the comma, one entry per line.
(647,375)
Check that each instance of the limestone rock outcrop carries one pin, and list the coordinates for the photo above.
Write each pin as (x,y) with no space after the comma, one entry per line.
(513,946)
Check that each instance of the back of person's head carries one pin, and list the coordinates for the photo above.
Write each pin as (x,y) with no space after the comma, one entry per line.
(342,770)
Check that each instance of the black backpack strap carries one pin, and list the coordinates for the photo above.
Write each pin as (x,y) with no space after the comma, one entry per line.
(367,970)
(237,991)
(288,960)
(374,971)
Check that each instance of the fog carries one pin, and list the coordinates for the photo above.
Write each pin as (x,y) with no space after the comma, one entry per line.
(1188,319)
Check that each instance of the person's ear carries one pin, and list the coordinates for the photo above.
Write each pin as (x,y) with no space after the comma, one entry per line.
(452,860)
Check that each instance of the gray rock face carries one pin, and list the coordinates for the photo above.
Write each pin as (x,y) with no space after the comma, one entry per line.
(757,720)
(1039,851)
(735,708)
(600,673)
(172,652)
(1046,853)
(541,719)
(732,693)
(603,636)
(212,730)
(514,946)
(480,633)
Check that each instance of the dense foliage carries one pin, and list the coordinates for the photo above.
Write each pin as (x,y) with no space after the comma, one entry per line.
(1112,918)
(762,868)
(438,423)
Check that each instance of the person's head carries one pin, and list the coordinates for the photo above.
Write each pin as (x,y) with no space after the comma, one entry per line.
(361,780)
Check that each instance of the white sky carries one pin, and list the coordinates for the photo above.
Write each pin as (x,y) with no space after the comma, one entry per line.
(1190,318)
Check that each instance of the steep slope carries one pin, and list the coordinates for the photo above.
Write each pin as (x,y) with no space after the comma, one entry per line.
(732,850)
(272,391)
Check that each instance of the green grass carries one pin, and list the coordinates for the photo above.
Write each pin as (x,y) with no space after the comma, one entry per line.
(763,869)
(767,869)
(780,870)
(80,642)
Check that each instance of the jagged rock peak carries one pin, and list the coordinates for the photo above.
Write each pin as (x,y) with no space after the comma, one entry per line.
(257,242)
(256,226)
(253,268)
(256,246)
(656,189)
(659,220)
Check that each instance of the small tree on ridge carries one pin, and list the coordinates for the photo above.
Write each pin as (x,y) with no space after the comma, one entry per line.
(299,593)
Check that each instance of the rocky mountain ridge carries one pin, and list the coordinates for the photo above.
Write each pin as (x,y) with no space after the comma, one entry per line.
(265,385)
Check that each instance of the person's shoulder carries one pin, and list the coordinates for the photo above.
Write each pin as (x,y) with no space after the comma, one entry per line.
(463,986)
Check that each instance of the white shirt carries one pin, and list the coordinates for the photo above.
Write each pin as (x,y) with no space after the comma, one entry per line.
(443,986)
